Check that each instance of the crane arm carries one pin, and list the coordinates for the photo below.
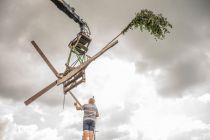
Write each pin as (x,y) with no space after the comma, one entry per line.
(70,12)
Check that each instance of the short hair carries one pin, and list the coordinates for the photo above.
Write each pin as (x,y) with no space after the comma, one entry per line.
(91,101)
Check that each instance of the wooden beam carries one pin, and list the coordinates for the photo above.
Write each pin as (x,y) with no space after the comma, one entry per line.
(40,93)
(73,86)
(44,58)
(74,79)
(86,63)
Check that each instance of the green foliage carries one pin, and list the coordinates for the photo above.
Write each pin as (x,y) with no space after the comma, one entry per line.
(157,25)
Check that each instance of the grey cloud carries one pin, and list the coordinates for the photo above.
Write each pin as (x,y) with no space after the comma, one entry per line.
(120,116)
(22,22)
(44,117)
(23,72)
(49,114)
(186,75)
(42,21)
(77,126)
(21,77)
(29,115)
(188,40)
(199,134)
(50,28)
(142,67)
(109,127)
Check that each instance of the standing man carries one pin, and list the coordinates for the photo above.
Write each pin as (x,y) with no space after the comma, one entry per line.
(89,119)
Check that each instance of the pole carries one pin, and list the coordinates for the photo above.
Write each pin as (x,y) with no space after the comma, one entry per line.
(75,99)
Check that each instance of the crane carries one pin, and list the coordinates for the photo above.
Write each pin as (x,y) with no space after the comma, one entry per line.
(70,12)
(74,74)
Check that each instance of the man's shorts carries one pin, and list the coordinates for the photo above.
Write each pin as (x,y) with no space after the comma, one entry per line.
(88,125)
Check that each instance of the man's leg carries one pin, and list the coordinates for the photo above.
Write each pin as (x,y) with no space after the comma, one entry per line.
(85,129)
(90,135)
(85,134)
(92,128)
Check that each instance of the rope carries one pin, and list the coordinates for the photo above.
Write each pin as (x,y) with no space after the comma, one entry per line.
(64,100)
(75,62)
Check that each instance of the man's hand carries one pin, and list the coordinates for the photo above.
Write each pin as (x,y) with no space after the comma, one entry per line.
(77,107)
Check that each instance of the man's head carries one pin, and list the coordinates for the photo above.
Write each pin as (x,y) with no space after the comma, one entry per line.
(91,101)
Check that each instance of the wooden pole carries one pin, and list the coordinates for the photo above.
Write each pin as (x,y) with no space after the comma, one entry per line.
(40,93)
(44,58)
(75,99)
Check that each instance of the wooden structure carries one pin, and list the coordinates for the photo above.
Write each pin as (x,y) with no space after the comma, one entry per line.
(74,74)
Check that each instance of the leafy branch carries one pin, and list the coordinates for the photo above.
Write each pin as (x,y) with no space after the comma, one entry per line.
(157,25)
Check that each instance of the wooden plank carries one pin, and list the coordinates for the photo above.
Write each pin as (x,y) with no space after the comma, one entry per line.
(86,63)
(73,86)
(69,75)
(76,77)
(44,58)
(40,93)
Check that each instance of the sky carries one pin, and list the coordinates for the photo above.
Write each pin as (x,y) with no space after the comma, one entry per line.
(144,89)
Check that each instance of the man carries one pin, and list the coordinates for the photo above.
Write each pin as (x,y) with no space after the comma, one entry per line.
(89,119)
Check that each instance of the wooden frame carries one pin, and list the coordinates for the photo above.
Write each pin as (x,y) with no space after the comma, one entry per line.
(72,79)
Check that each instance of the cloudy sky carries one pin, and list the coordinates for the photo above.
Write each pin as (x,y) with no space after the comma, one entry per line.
(144,89)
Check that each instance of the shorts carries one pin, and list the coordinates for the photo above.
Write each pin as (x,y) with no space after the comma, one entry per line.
(88,125)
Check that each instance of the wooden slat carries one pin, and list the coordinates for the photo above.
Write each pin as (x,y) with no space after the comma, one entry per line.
(40,93)
(73,86)
(85,64)
(67,83)
(44,58)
